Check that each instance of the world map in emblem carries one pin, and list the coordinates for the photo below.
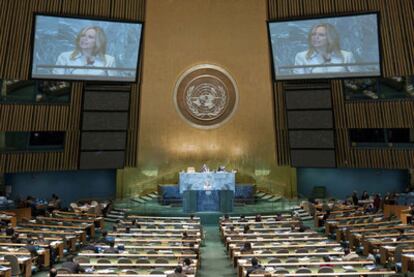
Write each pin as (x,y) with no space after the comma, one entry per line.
(205,96)
(206,101)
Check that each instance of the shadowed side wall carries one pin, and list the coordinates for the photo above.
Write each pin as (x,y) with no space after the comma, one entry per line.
(70,186)
(231,34)
(340,183)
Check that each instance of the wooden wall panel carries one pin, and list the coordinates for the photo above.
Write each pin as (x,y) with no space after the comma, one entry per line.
(282,133)
(16,18)
(385,114)
(380,114)
(397,39)
(132,140)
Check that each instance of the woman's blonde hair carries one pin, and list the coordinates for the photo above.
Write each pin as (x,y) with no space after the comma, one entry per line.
(331,35)
(100,42)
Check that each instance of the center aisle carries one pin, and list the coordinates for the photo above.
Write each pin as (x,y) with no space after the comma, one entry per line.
(214,261)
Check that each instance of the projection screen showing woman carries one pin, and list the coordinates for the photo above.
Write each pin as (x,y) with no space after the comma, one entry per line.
(89,57)
(85,49)
(326,47)
(323,53)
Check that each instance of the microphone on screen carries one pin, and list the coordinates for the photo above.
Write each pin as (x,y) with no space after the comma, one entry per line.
(90,61)
(326,58)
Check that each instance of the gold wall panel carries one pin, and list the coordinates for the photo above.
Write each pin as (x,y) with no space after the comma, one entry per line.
(231,34)
(397,39)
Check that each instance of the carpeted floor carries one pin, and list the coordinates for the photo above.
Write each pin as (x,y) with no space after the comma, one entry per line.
(214,260)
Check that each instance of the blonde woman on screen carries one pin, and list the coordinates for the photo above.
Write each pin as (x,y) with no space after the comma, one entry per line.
(90,51)
(323,50)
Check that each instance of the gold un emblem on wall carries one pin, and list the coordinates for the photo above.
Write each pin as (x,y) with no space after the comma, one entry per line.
(206,96)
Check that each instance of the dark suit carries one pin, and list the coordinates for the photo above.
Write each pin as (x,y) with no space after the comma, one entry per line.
(253,268)
(32,249)
(72,267)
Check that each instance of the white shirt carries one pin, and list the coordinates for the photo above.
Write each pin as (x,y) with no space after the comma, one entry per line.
(317,59)
(80,60)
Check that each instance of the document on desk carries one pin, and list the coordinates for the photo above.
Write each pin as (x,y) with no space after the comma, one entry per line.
(4,268)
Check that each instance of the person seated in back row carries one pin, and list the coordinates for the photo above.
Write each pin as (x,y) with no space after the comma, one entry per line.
(186,238)
(31,248)
(72,266)
(105,238)
(178,272)
(370,209)
(15,238)
(365,195)
(246,248)
(255,267)
(9,230)
(349,256)
(243,219)
(279,217)
(231,231)
(247,230)
(187,266)
(111,248)
(193,219)
(324,217)
(226,218)
(54,203)
(89,247)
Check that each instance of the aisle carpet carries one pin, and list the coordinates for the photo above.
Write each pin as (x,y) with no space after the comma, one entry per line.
(214,260)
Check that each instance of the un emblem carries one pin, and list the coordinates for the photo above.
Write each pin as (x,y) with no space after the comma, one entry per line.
(205,96)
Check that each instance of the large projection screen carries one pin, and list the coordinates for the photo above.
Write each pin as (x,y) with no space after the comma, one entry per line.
(68,48)
(326,47)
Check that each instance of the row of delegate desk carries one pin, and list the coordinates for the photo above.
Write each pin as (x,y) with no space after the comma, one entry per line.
(386,237)
(49,234)
(287,252)
(152,245)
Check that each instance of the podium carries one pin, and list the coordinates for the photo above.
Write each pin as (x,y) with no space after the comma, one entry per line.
(207,191)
